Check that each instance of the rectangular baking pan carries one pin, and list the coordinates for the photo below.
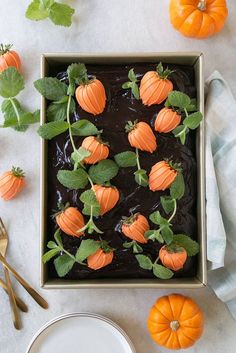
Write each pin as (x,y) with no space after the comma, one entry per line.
(194,59)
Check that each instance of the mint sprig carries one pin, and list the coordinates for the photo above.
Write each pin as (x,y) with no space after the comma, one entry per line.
(184,104)
(132,84)
(11,84)
(104,171)
(158,270)
(92,209)
(136,248)
(59,14)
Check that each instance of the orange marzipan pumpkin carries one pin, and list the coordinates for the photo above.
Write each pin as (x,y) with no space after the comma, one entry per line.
(166,120)
(141,136)
(134,227)
(97,148)
(175,322)
(91,96)
(11,183)
(100,259)
(198,18)
(107,197)
(9,58)
(173,258)
(161,177)
(70,220)
(155,86)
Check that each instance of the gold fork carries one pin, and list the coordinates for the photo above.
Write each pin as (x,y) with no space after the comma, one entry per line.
(3,248)
(19,302)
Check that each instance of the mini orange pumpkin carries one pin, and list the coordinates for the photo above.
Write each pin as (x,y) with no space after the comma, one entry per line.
(97,148)
(162,175)
(91,96)
(155,86)
(135,226)
(11,183)
(9,58)
(173,257)
(70,220)
(100,259)
(141,136)
(175,322)
(198,18)
(107,197)
(166,120)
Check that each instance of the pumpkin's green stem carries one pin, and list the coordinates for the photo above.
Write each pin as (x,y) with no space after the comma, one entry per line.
(5,48)
(18,172)
(164,74)
(130,125)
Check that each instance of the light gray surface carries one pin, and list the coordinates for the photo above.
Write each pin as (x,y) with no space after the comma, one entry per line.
(101,26)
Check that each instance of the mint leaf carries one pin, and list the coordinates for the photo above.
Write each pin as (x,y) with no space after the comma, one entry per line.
(162,272)
(63,264)
(80,154)
(73,179)
(87,210)
(193,120)
(88,197)
(51,88)
(137,248)
(156,218)
(57,237)
(141,177)
(49,255)
(87,248)
(177,188)
(49,130)
(132,76)
(178,99)
(84,128)
(75,72)
(11,82)
(192,107)
(167,234)
(61,14)
(153,235)
(36,11)
(128,244)
(52,245)
(103,171)
(126,159)
(167,203)
(127,85)
(57,110)
(191,246)
(135,90)
(144,262)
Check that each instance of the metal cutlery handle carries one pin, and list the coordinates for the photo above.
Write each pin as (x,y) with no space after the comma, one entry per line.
(19,302)
(35,295)
(14,310)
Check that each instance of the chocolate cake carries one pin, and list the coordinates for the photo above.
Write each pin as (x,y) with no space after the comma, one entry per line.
(122,106)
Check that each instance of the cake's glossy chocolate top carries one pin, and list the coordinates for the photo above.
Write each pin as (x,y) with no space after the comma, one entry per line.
(120,108)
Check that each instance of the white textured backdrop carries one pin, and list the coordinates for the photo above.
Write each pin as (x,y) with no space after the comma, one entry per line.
(99,26)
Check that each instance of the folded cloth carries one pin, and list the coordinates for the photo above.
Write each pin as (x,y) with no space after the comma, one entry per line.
(220,117)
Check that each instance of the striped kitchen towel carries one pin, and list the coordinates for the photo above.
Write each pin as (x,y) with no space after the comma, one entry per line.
(220,117)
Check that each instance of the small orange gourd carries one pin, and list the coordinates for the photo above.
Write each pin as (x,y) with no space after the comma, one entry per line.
(175,322)
(11,183)
(166,120)
(155,86)
(161,177)
(134,227)
(70,221)
(141,136)
(9,58)
(107,197)
(97,148)
(173,257)
(100,259)
(198,18)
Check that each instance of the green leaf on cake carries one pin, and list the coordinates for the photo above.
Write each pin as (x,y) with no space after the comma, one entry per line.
(104,171)
(80,154)
(56,111)
(50,130)
(178,99)
(88,197)
(63,264)
(177,188)
(193,120)
(191,246)
(144,262)
(141,177)
(84,128)
(162,272)
(167,203)
(126,159)
(73,179)
(87,248)
(49,255)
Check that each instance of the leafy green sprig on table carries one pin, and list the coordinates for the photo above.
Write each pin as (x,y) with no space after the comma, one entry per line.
(185,106)
(59,13)
(65,261)
(164,233)
(11,84)
(131,159)
(132,84)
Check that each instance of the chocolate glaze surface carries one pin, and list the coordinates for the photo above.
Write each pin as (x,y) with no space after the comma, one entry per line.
(120,108)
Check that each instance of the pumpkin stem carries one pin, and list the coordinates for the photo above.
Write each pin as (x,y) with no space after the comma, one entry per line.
(61,208)
(164,74)
(17,172)
(129,220)
(5,48)
(130,125)
(174,325)
(202,5)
